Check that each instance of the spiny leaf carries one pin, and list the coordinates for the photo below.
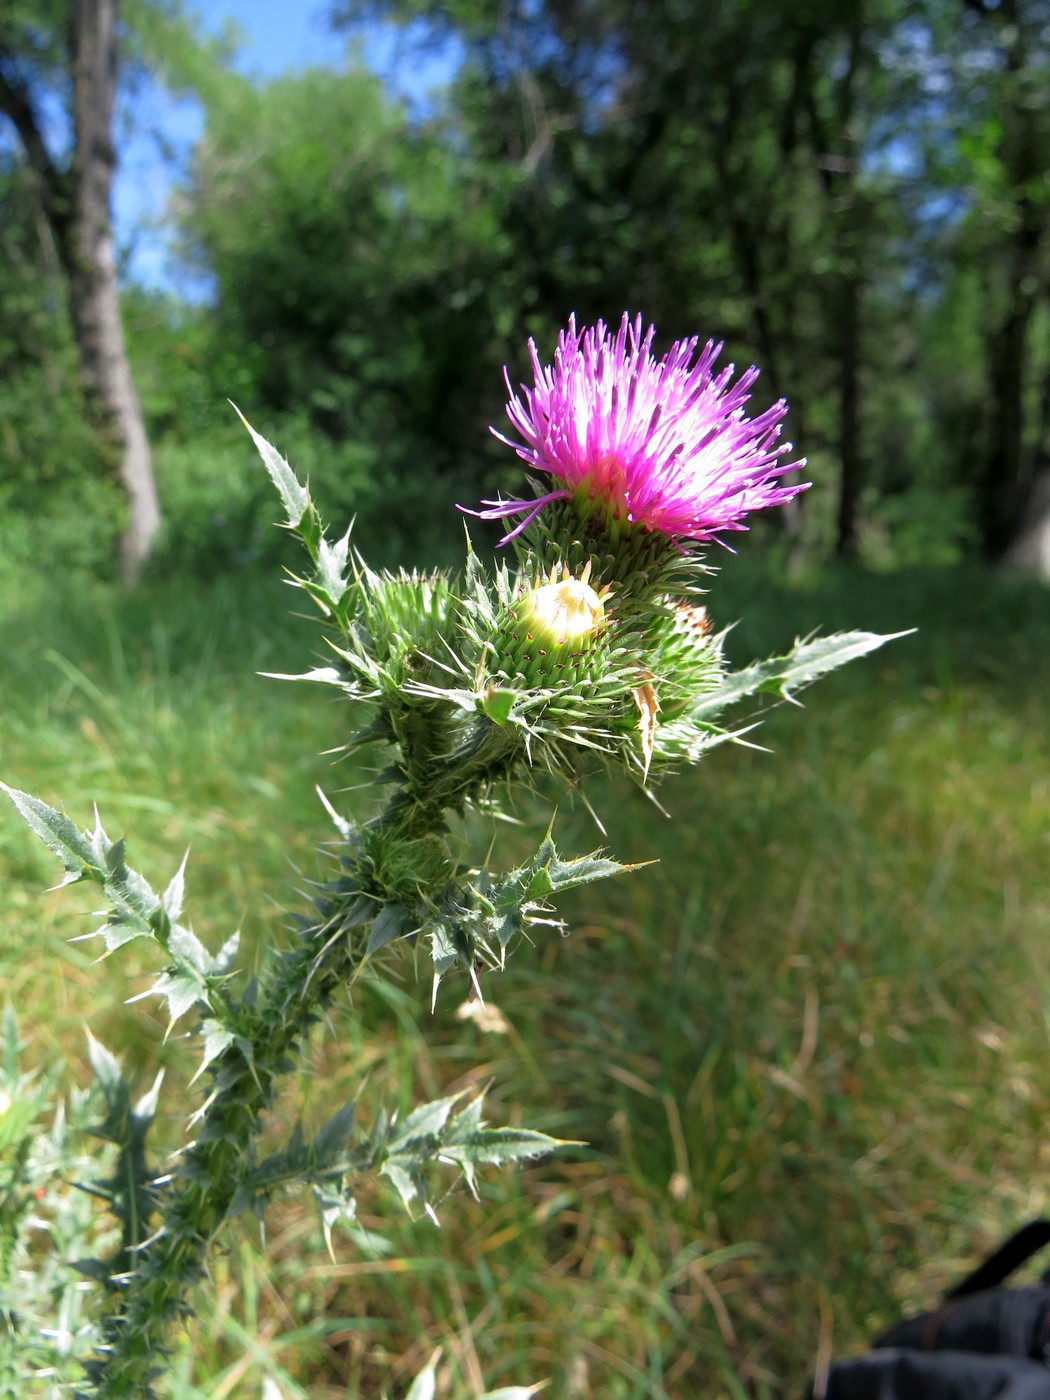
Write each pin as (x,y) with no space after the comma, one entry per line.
(106,1066)
(466,1122)
(547,873)
(330,1143)
(136,911)
(294,495)
(403,1183)
(391,922)
(783,675)
(443,947)
(331,570)
(187,949)
(58,833)
(171,899)
(146,1108)
(216,1039)
(182,989)
(223,960)
(423,1122)
(495,1146)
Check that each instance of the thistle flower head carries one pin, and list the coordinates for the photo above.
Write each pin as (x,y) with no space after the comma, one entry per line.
(661,444)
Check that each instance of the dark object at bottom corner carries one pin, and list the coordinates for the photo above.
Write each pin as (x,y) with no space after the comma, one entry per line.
(983,1343)
(937,1375)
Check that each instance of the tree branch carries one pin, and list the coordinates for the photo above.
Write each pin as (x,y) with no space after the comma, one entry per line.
(17,106)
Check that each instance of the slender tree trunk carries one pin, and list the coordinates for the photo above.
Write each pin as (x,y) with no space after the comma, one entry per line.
(1029,550)
(1010,486)
(836,146)
(1029,553)
(94,298)
(851,480)
(1004,472)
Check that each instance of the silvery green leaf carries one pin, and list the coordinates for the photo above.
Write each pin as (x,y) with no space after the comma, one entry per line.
(442,945)
(223,960)
(465,1123)
(295,496)
(146,1108)
(187,949)
(127,887)
(404,1185)
(333,1210)
(783,675)
(498,1145)
(56,831)
(105,1064)
(116,932)
(331,570)
(181,989)
(423,1122)
(171,899)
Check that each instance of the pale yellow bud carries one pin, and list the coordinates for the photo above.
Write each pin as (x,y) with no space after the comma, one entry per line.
(565,614)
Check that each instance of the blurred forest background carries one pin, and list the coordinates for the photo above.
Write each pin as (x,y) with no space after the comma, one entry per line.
(853,194)
(808,1050)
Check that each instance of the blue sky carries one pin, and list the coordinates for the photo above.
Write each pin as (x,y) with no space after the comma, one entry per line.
(275,35)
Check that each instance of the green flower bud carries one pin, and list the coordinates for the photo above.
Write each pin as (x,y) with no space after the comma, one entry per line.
(550,644)
(686,659)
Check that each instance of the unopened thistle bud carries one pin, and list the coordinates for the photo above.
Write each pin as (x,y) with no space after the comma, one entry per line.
(564,615)
(549,636)
(687,658)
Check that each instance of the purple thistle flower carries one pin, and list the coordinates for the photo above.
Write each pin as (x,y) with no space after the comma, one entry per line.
(662,444)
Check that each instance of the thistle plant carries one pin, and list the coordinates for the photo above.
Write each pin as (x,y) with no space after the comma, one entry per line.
(589,643)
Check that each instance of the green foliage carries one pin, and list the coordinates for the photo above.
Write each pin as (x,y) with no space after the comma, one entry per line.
(58,498)
(218,506)
(342,239)
(853,196)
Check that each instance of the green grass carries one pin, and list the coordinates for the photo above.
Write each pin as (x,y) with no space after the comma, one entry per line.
(808,1050)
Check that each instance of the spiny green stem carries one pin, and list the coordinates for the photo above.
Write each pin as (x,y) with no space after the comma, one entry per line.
(488,754)
(194,1206)
(213,1167)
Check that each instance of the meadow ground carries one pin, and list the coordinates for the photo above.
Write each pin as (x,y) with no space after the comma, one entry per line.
(808,1050)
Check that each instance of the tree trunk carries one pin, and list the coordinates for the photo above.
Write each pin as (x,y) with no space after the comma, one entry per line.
(836,145)
(851,480)
(92,269)
(1030,551)
(1004,474)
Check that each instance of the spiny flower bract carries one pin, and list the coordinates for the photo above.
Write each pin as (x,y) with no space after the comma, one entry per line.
(662,444)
